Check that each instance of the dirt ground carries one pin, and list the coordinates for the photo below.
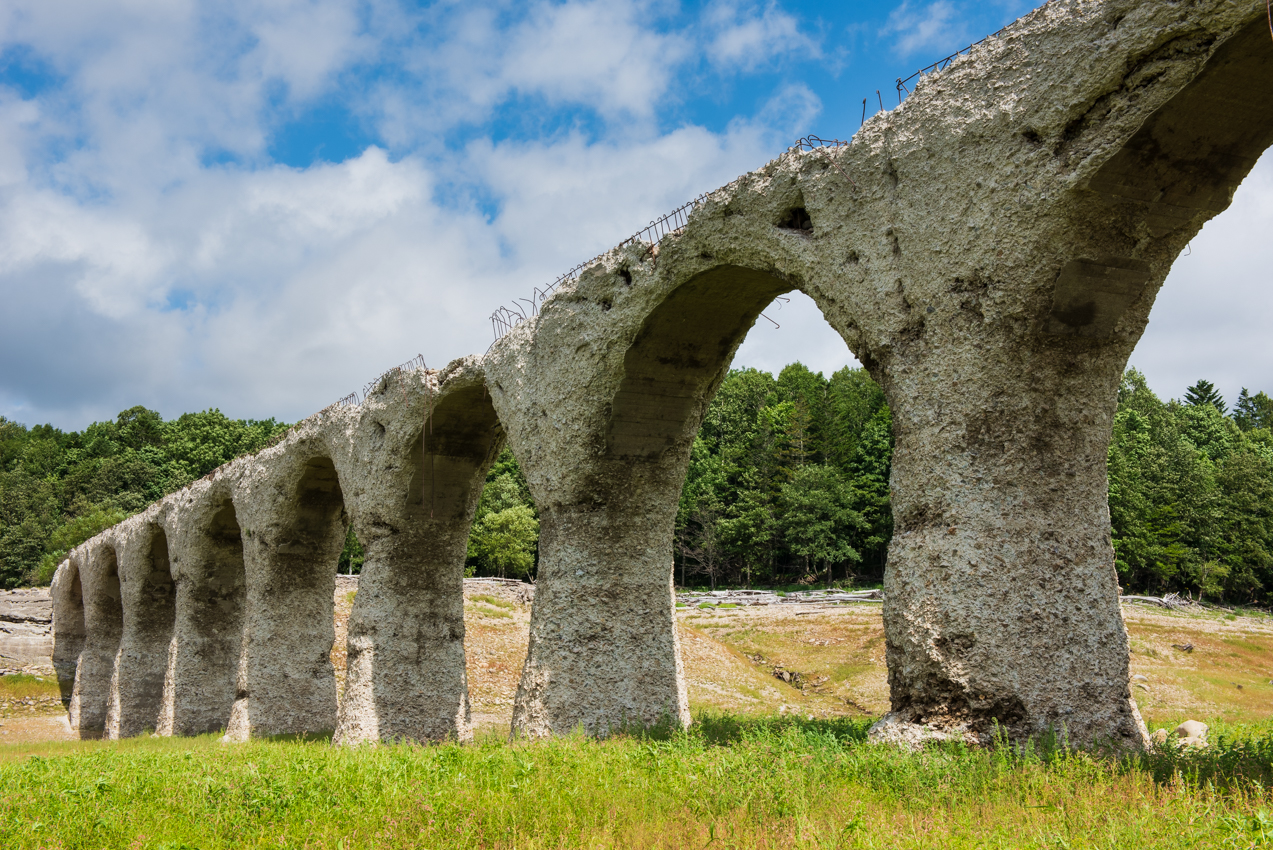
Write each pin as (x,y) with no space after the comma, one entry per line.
(818,661)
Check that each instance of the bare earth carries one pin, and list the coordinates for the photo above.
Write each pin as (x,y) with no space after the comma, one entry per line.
(818,661)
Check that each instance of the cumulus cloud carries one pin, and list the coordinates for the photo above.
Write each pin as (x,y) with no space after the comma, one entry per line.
(745,37)
(933,27)
(152,251)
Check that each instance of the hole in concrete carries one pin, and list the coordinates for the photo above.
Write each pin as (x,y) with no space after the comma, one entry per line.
(797,218)
(627,276)
(352,556)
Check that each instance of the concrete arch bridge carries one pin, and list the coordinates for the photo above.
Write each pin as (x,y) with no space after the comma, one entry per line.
(990,250)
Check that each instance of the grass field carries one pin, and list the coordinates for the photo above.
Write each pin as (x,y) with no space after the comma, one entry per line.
(729,783)
(771,762)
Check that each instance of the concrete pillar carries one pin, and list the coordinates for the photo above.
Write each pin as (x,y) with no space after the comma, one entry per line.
(294,527)
(604,436)
(149,609)
(104,623)
(603,645)
(1001,599)
(203,666)
(412,510)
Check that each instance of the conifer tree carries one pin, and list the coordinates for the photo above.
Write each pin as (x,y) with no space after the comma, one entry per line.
(1205,392)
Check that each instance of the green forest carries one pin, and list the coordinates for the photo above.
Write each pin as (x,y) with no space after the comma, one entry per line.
(58,489)
(787,483)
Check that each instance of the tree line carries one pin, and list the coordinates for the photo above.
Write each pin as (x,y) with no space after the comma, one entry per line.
(59,488)
(787,483)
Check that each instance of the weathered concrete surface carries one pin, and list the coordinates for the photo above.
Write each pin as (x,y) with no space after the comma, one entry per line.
(223,617)
(990,251)
(211,590)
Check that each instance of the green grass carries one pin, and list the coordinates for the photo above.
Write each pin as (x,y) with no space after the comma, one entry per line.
(22,686)
(728,783)
(492,600)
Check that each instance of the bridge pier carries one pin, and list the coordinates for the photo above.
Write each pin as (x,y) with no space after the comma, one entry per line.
(294,527)
(1001,599)
(413,496)
(207,550)
(603,647)
(104,624)
(148,603)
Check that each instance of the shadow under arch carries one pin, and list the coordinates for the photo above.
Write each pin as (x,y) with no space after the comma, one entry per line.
(680,356)
(1177,171)
(211,592)
(406,666)
(91,703)
(69,632)
(149,615)
(1190,155)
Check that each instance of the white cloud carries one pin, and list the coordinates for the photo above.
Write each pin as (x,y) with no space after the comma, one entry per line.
(935,27)
(747,38)
(136,272)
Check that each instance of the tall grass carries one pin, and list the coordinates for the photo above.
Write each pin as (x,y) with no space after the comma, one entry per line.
(727,783)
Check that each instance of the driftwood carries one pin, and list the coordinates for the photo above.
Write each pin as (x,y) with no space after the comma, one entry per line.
(1175,602)
(744,598)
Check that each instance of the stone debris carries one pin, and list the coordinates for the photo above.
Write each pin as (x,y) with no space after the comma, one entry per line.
(1191,733)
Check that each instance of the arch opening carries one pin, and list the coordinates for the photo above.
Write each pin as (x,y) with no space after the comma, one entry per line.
(784,477)
(146,645)
(1185,162)
(68,636)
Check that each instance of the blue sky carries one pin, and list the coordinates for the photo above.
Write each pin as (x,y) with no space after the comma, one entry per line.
(259,206)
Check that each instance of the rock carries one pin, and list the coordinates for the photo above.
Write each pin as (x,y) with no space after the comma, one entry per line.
(1159,737)
(892,730)
(26,628)
(1142,686)
(1140,678)
(1191,729)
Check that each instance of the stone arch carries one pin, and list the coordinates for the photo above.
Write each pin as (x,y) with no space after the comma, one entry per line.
(1183,164)
(606,536)
(199,688)
(92,701)
(294,526)
(406,666)
(149,603)
(679,357)
(68,626)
